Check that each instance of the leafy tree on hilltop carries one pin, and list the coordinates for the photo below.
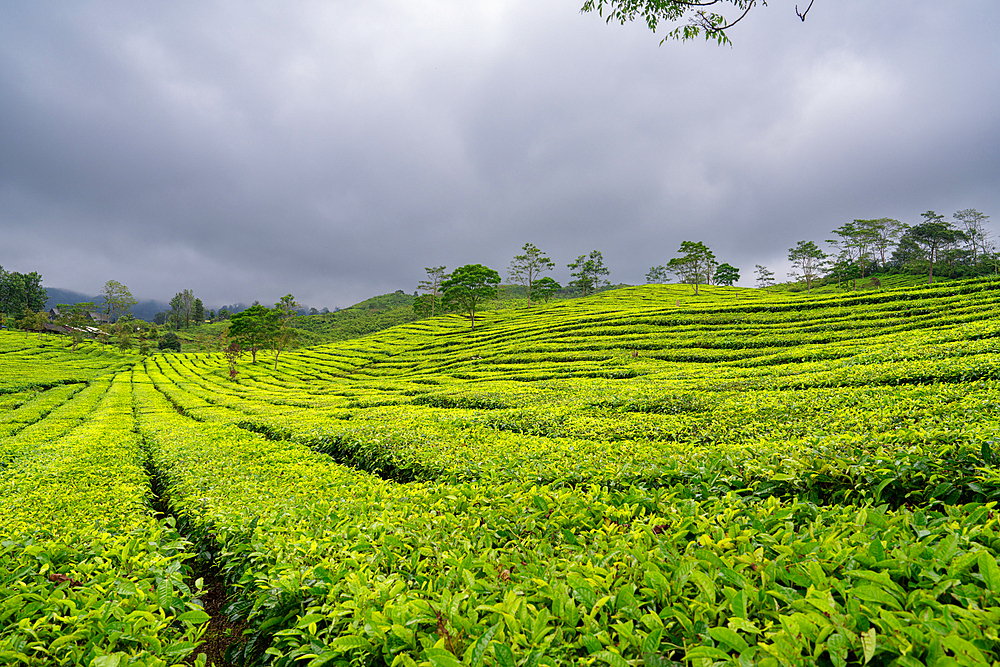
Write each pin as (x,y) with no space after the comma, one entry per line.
(726,274)
(695,265)
(253,328)
(118,301)
(282,334)
(932,235)
(527,267)
(882,233)
(855,244)
(810,261)
(588,271)
(469,286)
(182,307)
(429,303)
(765,278)
(657,275)
(973,223)
(21,293)
(544,289)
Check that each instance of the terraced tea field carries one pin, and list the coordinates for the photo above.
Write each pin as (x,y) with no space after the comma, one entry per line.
(639,477)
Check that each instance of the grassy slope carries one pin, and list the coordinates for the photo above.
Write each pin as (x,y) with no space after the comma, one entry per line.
(369,316)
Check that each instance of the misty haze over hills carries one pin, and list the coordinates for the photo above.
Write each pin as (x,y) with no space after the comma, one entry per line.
(144,310)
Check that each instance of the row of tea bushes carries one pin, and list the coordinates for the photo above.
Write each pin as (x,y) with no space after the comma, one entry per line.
(46,361)
(335,566)
(60,420)
(40,404)
(814,444)
(87,575)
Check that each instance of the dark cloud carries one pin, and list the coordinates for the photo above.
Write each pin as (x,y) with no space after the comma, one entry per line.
(333,150)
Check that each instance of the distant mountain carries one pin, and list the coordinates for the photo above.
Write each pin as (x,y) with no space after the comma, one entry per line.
(144,310)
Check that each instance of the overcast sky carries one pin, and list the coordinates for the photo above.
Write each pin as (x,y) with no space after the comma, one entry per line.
(332,150)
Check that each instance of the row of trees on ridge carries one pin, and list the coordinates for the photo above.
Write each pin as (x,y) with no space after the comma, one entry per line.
(468,287)
(963,245)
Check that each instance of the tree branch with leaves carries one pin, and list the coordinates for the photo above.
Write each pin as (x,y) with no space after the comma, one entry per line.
(711,19)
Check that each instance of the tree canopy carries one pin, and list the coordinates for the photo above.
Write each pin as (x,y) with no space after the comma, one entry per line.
(695,265)
(469,286)
(765,277)
(21,293)
(282,335)
(118,301)
(657,275)
(528,266)
(545,288)
(809,259)
(429,303)
(726,274)
(253,328)
(932,235)
(588,271)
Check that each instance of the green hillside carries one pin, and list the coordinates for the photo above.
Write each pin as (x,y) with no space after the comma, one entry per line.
(642,476)
(375,314)
(369,316)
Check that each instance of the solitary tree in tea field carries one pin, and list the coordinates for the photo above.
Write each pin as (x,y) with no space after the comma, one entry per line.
(468,287)
(695,265)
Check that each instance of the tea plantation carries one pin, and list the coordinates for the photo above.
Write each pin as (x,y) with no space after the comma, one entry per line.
(641,477)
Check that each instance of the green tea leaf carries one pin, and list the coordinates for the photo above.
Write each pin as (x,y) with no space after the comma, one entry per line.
(309,619)
(504,656)
(706,652)
(479,650)
(349,642)
(964,651)
(196,616)
(611,658)
(874,594)
(112,660)
(868,643)
(651,644)
(836,647)
(728,637)
(440,657)
(991,573)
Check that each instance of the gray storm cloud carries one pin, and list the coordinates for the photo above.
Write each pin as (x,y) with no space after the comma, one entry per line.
(333,150)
